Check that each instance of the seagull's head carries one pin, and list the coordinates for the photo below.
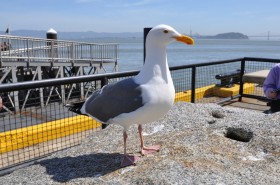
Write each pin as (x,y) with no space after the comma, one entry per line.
(165,34)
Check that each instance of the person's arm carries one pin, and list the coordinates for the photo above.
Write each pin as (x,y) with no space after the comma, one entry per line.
(270,83)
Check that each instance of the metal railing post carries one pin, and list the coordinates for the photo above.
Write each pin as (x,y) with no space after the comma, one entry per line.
(104,81)
(241,79)
(41,89)
(27,50)
(193,84)
(16,93)
(72,52)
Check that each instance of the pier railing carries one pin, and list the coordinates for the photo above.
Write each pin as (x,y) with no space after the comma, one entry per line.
(30,59)
(28,49)
(42,124)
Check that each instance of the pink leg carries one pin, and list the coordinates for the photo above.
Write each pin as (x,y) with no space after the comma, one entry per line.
(128,159)
(146,150)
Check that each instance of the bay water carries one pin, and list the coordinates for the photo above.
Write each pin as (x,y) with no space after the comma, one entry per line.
(204,50)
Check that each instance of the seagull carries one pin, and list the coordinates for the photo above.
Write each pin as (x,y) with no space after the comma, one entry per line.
(144,98)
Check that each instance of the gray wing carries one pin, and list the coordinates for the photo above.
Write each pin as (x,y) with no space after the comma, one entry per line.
(114,99)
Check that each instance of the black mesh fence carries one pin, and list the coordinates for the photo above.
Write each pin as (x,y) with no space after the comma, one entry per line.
(256,65)
(35,120)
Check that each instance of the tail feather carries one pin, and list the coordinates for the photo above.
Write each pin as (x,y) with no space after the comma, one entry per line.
(76,107)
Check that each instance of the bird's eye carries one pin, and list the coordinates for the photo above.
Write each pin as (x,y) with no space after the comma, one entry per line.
(165,31)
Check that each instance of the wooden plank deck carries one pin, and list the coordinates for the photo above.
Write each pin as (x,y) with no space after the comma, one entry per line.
(248,103)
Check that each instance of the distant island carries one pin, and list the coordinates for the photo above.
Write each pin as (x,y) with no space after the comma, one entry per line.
(92,35)
(75,35)
(229,35)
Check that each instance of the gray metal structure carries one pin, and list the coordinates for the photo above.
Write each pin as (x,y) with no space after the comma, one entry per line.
(29,59)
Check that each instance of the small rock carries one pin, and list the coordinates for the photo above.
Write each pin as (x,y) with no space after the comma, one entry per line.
(218,114)
(211,121)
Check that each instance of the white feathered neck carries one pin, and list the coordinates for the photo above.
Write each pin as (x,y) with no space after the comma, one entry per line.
(155,63)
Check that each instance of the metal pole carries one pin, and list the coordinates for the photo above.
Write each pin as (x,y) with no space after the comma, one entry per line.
(193,84)
(104,81)
(63,96)
(146,31)
(242,71)
(41,89)
(52,35)
(16,98)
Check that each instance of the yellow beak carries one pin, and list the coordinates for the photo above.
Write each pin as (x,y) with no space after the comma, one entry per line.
(185,39)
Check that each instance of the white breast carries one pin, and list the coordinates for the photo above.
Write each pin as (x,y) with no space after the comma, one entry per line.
(158,98)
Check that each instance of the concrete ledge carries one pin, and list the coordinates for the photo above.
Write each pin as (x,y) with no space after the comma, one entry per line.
(20,138)
(213,90)
(257,77)
(234,90)
(199,93)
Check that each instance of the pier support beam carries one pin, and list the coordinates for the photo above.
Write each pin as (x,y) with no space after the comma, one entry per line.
(15,94)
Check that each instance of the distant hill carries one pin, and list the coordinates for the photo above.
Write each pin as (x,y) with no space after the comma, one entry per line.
(92,34)
(74,35)
(230,35)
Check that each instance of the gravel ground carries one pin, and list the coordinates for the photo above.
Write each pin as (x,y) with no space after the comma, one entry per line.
(200,144)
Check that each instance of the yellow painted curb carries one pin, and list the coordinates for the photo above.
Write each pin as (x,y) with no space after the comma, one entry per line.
(23,137)
(214,91)
(234,90)
(199,93)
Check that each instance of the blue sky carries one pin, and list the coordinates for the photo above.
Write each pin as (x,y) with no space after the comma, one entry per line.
(211,17)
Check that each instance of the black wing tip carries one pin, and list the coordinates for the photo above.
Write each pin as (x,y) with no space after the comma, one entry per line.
(75,107)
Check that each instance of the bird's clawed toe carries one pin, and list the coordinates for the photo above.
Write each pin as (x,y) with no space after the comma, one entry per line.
(150,149)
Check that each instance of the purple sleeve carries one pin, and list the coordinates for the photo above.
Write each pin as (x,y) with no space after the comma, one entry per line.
(272,80)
